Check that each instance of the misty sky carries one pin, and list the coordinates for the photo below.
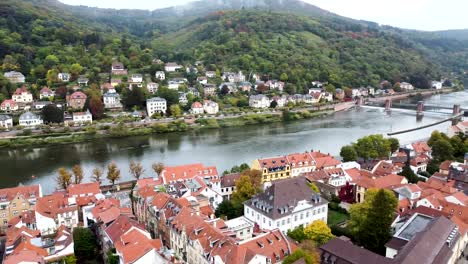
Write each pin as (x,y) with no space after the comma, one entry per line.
(413,14)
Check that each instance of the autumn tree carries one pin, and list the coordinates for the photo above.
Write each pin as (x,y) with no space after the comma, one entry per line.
(314,187)
(113,173)
(77,173)
(64,178)
(97,175)
(244,189)
(136,169)
(158,167)
(371,221)
(318,231)
(175,110)
(96,107)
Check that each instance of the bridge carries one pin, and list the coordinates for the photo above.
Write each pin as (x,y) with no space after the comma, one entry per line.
(456,112)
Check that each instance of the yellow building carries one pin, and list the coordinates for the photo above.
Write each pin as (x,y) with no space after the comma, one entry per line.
(15,201)
(273,168)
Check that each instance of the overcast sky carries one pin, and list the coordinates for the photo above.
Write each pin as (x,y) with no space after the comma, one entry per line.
(413,14)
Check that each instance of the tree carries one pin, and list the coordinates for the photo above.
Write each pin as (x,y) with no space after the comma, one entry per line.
(77,173)
(229,209)
(330,88)
(442,150)
(136,169)
(75,70)
(297,234)
(394,144)
(158,167)
(348,153)
(409,174)
(372,147)
(314,187)
(284,77)
(224,90)
(64,178)
(113,173)
(52,114)
(273,104)
(319,232)
(370,221)
(97,175)
(244,189)
(175,110)
(346,193)
(301,254)
(85,244)
(262,88)
(96,107)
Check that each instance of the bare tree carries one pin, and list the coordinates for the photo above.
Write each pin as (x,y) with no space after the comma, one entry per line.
(97,175)
(158,167)
(77,173)
(64,178)
(113,173)
(136,169)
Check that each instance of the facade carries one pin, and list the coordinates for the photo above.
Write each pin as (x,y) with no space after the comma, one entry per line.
(436,85)
(156,105)
(152,87)
(160,75)
(241,226)
(285,205)
(14,77)
(9,105)
(15,201)
(46,92)
(273,168)
(55,210)
(112,101)
(406,86)
(76,100)
(82,117)
(301,163)
(136,78)
(209,89)
(63,76)
(118,68)
(259,101)
(172,67)
(22,95)
(6,121)
(197,108)
(210,107)
(29,119)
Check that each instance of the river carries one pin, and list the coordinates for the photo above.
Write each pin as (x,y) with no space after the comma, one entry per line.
(223,148)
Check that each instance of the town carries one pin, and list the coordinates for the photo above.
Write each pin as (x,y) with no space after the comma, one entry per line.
(171,92)
(379,202)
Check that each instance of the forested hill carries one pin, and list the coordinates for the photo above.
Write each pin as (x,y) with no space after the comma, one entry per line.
(273,37)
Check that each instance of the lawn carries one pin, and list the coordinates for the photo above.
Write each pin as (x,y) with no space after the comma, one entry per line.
(335,217)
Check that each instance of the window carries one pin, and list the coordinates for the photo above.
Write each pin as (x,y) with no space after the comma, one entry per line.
(289,220)
(295,218)
(307,214)
(283,222)
(15,212)
(302,216)
(269,223)
(247,210)
(14,205)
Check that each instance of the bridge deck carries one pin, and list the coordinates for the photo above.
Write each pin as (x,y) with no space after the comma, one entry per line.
(425,126)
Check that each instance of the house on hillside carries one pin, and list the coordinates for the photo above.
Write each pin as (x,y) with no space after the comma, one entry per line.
(160,75)
(63,76)
(82,117)
(156,105)
(29,119)
(9,105)
(76,100)
(14,77)
(172,67)
(259,101)
(46,92)
(22,95)
(210,107)
(6,121)
(197,108)
(118,68)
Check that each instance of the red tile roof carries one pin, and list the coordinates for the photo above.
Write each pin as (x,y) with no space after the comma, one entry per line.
(133,245)
(21,90)
(15,234)
(106,210)
(28,192)
(45,90)
(197,105)
(326,162)
(51,205)
(25,256)
(150,182)
(83,189)
(300,160)
(8,102)
(445,165)
(121,226)
(384,168)
(421,147)
(185,172)
(271,163)
(78,95)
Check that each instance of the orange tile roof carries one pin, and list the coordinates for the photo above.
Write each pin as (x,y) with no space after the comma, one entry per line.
(83,189)
(275,162)
(384,168)
(133,245)
(149,182)
(445,165)
(53,204)
(160,199)
(27,246)
(354,173)
(24,255)
(326,162)
(121,226)
(300,160)
(28,192)
(185,172)
(207,210)
(421,147)
(14,234)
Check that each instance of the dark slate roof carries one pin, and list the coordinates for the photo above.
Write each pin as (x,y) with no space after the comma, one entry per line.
(429,245)
(229,180)
(4,117)
(346,252)
(282,196)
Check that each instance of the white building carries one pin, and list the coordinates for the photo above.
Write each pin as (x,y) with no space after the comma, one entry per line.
(210,74)
(259,101)
(406,86)
(241,226)
(6,121)
(82,117)
(197,108)
(301,163)
(210,107)
(152,87)
(436,85)
(55,210)
(160,75)
(172,67)
(30,119)
(183,98)
(156,105)
(285,205)
(64,77)
(136,78)
(14,77)
(22,95)
(112,100)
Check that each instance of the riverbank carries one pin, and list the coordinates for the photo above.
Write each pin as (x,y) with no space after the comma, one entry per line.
(123,130)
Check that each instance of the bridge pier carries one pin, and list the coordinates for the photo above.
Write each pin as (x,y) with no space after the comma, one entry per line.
(360,101)
(456,111)
(388,105)
(420,110)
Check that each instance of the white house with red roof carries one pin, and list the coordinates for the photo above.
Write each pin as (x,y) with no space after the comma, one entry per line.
(46,92)
(55,210)
(460,128)
(210,107)
(9,105)
(22,95)
(301,163)
(82,117)
(197,108)
(172,174)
